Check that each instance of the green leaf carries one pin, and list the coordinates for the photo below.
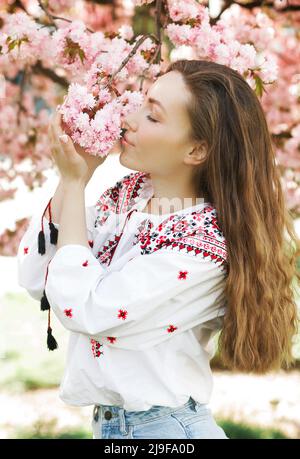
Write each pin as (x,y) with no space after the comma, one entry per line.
(259,86)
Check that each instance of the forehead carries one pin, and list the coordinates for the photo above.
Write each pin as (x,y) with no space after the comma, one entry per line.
(171,91)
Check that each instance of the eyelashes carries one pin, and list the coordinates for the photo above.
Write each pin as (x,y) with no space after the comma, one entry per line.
(152,119)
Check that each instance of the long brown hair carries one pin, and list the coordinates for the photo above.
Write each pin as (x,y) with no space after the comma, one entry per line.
(241,179)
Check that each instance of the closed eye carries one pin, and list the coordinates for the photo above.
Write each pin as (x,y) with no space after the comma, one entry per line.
(152,119)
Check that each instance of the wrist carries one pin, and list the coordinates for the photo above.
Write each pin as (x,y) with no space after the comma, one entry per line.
(73,183)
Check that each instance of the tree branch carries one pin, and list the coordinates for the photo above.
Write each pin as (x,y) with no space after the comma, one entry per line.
(38,69)
(21,107)
(132,52)
(52,17)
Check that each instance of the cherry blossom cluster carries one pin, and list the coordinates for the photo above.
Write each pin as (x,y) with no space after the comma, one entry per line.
(190,27)
(22,41)
(63,63)
(90,112)
(281,102)
(94,122)
(58,6)
(76,48)
(220,43)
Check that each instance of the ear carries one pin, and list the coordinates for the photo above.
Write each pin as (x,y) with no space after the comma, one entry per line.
(197,154)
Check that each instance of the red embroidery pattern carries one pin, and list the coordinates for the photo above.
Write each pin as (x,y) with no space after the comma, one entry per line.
(96,347)
(182,274)
(91,244)
(142,231)
(26,250)
(111,339)
(68,312)
(171,329)
(196,233)
(122,314)
(85,263)
(129,191)
(107,250)
(117,199)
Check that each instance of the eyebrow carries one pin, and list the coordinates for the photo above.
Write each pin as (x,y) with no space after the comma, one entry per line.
(154,101)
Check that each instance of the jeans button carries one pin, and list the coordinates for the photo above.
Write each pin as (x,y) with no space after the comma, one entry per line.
(107,414)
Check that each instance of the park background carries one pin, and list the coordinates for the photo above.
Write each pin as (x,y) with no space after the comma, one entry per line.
(246,406)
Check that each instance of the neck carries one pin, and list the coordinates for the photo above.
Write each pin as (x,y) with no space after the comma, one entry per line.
(172,194)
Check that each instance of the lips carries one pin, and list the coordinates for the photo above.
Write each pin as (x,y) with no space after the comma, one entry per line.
(128,141)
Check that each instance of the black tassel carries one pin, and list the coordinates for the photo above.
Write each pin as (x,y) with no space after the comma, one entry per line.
(41,243)
(53,233)
(51,343)
(44,302)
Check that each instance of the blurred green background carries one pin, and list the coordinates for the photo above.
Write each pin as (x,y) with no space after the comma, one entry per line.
(31,374)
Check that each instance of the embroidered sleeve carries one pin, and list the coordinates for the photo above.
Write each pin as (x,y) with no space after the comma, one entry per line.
(151,298)
(32,265)
(91,214)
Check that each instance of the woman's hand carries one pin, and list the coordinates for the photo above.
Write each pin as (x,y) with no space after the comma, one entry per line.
(73,162)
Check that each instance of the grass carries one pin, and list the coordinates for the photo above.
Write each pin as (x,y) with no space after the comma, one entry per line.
(242,430)
(26,364)
(48,430)
(25,361)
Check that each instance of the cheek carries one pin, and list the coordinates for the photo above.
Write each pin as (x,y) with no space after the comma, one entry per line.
(148,134)
(153,138)
(157,148)
(152,148)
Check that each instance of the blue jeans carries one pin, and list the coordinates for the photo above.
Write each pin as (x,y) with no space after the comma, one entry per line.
(191,420)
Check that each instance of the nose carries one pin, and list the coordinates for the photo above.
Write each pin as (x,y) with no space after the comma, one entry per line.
(128,123)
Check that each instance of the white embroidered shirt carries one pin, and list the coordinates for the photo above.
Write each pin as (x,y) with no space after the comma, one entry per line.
(142,304)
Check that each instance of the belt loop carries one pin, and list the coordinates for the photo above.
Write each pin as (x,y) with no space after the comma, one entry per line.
(122,422)
(194,405)
(96,413)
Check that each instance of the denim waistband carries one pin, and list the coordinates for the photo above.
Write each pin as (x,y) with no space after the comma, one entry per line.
(112,413)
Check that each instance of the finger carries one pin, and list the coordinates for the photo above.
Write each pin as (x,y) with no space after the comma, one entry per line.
(53,137)
(57,117)
(50,132)
(58,121)
(50,123)
(64,138)
(56,125)
(55,146)
(68,146)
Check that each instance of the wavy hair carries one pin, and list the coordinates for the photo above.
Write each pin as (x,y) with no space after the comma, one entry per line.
(241,178)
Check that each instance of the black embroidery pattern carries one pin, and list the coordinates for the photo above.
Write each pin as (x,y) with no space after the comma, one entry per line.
(121,197)
(195,233)
(143,229)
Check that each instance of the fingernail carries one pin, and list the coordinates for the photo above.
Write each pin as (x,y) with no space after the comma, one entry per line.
(64,138)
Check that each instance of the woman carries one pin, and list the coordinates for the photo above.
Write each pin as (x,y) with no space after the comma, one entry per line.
(143,290)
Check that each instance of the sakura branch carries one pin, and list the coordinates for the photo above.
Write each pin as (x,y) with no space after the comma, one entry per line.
(88,73)
(52,17)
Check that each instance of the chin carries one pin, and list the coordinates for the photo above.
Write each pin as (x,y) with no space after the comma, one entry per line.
(124,163)
(128,166)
